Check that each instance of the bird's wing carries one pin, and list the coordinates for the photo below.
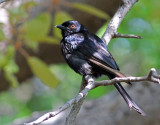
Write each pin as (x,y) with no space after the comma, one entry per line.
(96,52)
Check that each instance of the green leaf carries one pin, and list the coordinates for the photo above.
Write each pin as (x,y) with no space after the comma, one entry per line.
(28,5)
(32,45)
(8,65)
(16,14)
(37,28)
(7,56)
(91,10)
(59,18)
(41,70)
(12,79)
(2,36)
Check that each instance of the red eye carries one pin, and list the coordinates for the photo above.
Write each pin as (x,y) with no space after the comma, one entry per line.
(72,26)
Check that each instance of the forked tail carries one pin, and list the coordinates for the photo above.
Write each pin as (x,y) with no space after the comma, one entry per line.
(127,98)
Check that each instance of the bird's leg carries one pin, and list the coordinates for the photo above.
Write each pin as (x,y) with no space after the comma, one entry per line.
(83,84)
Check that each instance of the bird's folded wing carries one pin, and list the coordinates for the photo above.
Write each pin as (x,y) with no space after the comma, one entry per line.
(99,56)
(108,69)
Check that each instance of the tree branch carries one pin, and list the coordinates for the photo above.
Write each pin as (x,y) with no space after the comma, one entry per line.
(76,107)
(117,19)
(1,1)
(78,99)
(118,35)
(152,77)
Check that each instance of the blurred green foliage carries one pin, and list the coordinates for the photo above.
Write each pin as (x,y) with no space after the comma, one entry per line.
(37,24)
(2,36)
(134,56)
(35,30)
(8,65)
(91,10)
(41,70)
(59,18)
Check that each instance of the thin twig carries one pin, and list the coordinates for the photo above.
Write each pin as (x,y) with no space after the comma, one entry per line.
(152,77)
(118,35)
(52,114)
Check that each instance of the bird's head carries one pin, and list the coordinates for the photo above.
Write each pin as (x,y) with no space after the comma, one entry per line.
(71,27)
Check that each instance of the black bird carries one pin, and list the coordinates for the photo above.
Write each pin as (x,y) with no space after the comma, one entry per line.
(87,54)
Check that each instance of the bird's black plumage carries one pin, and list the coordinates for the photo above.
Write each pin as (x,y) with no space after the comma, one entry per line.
(87,54)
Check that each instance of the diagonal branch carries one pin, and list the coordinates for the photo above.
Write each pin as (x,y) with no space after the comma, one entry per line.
(79,98)
(76,107)
(117,19)
(152,77)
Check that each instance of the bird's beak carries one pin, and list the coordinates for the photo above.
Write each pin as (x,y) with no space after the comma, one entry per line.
(61,27)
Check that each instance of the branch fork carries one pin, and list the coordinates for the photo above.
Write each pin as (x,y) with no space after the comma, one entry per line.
(78,100)
(153,76)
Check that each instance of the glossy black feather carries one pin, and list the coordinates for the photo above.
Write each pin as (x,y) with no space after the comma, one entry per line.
(87,54)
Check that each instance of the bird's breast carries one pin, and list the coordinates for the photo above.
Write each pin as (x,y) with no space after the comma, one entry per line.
(71,42)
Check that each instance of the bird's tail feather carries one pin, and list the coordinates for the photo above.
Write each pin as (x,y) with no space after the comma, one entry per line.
(112,73)
(127,98)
